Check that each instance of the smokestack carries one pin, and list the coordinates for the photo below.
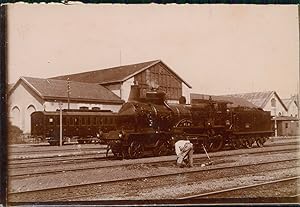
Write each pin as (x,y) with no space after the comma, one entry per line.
(134,94)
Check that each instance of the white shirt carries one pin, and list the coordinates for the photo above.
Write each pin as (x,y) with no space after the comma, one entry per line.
(179,145)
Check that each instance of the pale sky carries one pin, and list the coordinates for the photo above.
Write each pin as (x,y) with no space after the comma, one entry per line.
(217,49)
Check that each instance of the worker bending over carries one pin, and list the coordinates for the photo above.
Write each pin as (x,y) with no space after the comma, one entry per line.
(184,151)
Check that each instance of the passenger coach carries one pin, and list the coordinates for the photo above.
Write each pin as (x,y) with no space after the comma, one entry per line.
(83,125)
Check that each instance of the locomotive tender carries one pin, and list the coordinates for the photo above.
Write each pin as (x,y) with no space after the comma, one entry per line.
(150,124)
(84,125)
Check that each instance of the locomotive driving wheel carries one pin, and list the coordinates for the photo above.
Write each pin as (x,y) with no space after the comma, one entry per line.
(216,143)
(135,149)
(161,148)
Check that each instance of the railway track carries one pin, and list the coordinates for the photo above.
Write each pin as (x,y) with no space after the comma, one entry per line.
(63,158)
(45,149)
(44,161)
(26,157)
(76,157)
(102,150)
(79,191)
(169,162)
(236,191)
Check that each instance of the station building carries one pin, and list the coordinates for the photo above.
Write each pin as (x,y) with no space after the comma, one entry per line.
(101,89)
(268,101)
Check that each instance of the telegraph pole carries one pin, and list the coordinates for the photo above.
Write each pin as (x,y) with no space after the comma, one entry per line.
(60,124)
(68,91)
(275,121)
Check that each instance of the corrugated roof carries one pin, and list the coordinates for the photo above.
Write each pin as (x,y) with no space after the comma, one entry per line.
(236,101)
(110,75)
(259,99)
(115,74)
(57,89)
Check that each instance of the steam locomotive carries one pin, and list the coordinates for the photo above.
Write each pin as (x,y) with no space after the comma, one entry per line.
(83,125)
(151,124)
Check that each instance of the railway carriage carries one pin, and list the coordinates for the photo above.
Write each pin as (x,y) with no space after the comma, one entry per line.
(84,125)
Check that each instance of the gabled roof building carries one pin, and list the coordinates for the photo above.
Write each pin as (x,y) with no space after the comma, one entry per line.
(268,101)
(291,105)
(104,89)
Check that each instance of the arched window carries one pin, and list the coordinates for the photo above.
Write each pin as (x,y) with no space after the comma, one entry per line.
(15,116)
(30,109)
(273,102)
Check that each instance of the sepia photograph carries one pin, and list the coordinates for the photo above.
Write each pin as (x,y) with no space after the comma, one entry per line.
(117,104)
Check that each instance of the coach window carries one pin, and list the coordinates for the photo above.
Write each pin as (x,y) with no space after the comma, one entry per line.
(104,120)
(88,122)
(93,121)
(64,121)
(82,120)
(67,121)
(101,121)
(51,121)
(56,121)
(76,121)
(72,121)
(286,125)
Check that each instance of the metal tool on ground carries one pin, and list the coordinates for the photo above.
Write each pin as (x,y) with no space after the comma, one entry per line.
(209,160)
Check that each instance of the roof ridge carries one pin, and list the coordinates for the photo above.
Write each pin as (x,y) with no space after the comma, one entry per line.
(105,69)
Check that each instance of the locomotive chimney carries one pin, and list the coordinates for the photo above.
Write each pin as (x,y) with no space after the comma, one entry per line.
(134,93)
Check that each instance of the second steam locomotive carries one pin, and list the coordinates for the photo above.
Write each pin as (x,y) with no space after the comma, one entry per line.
(151,124)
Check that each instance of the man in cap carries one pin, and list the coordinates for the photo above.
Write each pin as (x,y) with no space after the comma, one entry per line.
(184,151)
